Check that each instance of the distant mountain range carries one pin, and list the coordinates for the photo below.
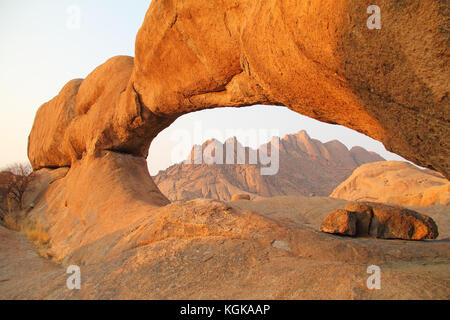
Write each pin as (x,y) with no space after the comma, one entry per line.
(306,167)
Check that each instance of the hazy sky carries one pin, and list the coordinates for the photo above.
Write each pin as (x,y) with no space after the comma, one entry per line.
(42,47)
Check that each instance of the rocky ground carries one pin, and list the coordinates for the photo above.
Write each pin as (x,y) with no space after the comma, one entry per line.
(205,249)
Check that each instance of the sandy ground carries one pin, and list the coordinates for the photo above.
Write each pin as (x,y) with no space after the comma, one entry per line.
(227,251)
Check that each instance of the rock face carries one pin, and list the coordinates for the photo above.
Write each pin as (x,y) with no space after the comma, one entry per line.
(380,221)
(395,182)
(193,55)
(316,57)
(340,222)
(91,201)
(306,167)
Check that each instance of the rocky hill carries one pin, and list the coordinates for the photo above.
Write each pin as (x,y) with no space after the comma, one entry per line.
(395,182)
(306,167)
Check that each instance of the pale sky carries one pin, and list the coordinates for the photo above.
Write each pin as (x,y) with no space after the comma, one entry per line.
(42,48)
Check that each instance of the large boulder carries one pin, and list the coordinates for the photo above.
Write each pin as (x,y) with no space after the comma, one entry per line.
(395,182)
(340,222)
(101,113)
(237,197)
(382,221)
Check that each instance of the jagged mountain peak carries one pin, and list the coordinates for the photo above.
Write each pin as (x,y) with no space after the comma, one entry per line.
(306,166)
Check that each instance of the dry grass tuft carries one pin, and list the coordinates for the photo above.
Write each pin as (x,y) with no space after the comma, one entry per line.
(34,231)
(11,222)
(38,235)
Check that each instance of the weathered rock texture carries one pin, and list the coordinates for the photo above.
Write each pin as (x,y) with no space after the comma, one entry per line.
(205,249)
(316,57)
(94,199)
(340,222)
(395,182)
(306,167)
(380,221)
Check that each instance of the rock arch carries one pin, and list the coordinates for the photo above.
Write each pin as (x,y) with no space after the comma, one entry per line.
(316,57)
